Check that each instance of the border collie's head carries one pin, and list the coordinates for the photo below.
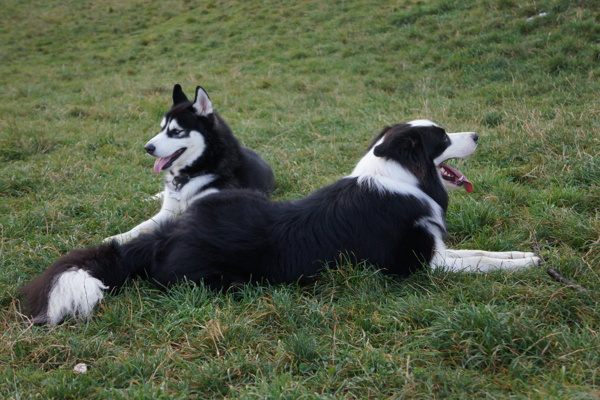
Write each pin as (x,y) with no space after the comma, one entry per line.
(182,139)
(420,145)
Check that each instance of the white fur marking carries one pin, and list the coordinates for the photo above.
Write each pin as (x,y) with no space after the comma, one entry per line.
(462,144)
(386,175)
(195,144)
(174,126)
(202,194)
(189,190)
(502,255)
(74,292)
(481,263)
(421,122)
(174,203)
(165,146)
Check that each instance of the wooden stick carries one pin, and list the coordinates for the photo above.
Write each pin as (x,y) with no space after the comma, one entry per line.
(565,281)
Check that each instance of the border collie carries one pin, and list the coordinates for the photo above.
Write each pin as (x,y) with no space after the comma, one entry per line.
(202,156)
(389,211)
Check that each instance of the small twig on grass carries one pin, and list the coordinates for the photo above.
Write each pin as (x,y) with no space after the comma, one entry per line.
(565,281)
(558,277)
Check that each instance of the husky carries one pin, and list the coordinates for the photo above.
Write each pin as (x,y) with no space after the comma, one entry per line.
(200,156)
(390,212)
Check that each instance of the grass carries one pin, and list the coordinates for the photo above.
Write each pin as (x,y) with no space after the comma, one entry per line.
(307,84)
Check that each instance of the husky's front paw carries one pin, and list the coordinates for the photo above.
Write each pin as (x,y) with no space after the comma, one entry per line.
(158,196)
(123,237)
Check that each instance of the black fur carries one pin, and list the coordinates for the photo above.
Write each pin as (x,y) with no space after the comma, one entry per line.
(415,149)
(234,165)
(241,236)
(99,260)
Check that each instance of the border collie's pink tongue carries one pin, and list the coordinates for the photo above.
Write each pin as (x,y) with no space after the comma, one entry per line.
(456,177)
(161,162)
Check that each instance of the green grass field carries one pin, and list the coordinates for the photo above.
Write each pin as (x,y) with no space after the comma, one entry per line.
(307,84)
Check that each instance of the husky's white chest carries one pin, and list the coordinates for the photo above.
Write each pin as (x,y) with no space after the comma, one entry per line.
(180,193)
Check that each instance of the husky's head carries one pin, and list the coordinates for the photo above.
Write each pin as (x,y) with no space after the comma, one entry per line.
(181,140)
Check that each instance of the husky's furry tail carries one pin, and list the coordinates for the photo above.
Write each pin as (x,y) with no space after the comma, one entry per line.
(75,283)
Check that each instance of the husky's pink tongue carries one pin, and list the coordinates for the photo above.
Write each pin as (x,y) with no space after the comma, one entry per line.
(164,162)
(161,162)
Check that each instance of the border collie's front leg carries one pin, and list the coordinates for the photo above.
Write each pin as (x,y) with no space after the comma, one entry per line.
(503,255)
(482,261)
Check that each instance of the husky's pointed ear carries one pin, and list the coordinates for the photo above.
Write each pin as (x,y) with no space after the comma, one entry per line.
(178,95)
(202,103)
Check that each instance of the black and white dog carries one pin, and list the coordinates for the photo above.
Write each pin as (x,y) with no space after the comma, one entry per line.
(389,211)
(202,156)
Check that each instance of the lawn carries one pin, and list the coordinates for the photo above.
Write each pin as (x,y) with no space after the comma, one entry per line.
(307,84)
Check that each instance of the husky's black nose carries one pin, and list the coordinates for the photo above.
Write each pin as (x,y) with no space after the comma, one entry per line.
(150,149)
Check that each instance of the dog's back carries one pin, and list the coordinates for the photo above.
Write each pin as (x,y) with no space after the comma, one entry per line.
(254,172)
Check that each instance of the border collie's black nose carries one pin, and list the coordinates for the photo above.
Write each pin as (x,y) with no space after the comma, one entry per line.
(475,137)
(150,148)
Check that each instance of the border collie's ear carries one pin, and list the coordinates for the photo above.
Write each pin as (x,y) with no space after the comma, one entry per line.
(178,95)
(381,150)
(202,103)
(395,144)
